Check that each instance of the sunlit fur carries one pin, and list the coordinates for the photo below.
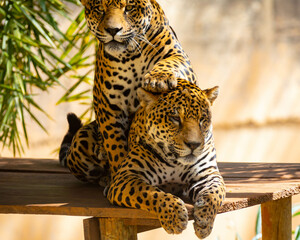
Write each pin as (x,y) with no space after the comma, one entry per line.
(133,19)
(171,144)
(171,149)
(137,47)
(188,121)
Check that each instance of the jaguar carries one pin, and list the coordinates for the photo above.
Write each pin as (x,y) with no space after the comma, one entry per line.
(137,47)
(170,144)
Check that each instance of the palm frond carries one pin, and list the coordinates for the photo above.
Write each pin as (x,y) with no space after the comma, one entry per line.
(34,54)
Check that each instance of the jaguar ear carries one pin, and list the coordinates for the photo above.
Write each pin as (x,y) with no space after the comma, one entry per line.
(145,97)
(212,94)
(84,2)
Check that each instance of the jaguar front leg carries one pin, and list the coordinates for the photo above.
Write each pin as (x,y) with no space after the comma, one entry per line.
(113,125)
(130,190)
(207,196)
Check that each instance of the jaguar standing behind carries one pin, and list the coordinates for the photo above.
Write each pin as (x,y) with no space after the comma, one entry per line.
(137,47)
(171,144)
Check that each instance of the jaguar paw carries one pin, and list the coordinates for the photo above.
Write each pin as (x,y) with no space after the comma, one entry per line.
(159,81)
(204,216)
(173,215)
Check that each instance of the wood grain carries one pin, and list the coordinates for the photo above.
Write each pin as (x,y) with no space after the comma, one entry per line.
(39,186)
(277,219)
(31,165)
(91,229)
(114,228)
(228,169)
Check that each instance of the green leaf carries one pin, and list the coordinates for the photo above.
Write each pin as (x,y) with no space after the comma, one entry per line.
(35,23)
(296,210)
(79,96)
(26,40)
(43,5)
(74,25)
(58,59)
(9,88)
(297,233)
(257,237)
(2,13)
(35,119)
(8,114)
(258,221)
(89,111)
(20,85)
(65,97)
(38,62)
(35,53)
(35,105)
(8,69)
(19,108)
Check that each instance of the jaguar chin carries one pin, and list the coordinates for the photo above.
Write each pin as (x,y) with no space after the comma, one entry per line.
(188,159)
(113,47)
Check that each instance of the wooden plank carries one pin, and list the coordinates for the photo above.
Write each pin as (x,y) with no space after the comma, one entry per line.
(242,195)
(260,170)
(62,194)
(141,222)
(91,229)
(91,226)
(277,219)
(47,191)
(59,194)
(228,170)
(113,228)
(31,165)
(143,225)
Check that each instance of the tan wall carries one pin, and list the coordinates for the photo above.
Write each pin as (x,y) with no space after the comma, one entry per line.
(251,50)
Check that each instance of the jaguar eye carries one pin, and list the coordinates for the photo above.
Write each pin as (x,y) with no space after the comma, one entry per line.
(129,8)
(175,119)
(99,11)
(201,122)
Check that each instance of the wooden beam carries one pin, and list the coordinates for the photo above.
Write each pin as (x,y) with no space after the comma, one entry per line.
(277,219)
(143,225)
(114,228)
(91,229)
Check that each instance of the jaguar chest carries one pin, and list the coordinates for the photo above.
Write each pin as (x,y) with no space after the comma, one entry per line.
(119,83)
(162,173)
(121,93)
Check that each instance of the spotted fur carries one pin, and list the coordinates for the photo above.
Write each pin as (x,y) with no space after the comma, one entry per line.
(137,47)
(170,144)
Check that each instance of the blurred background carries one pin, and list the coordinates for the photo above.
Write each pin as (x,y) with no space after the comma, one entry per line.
(251,49)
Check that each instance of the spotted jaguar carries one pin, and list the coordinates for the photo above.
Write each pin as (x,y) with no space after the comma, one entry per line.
(170,144)
(137,47)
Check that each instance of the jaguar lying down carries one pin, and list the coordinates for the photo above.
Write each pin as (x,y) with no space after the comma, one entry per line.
(170,142)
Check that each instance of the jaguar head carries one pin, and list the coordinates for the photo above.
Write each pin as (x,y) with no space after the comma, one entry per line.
(179,122)
(121,25)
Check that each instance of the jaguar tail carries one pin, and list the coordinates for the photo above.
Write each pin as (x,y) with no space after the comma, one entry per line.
(74,125)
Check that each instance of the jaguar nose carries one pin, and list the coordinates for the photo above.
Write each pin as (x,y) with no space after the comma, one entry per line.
(192,145)
(113,31)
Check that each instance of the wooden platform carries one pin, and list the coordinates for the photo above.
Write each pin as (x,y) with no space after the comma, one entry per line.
(41,186)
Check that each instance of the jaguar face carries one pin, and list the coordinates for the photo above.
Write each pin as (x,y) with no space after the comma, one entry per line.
(120,24)
(179,122)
